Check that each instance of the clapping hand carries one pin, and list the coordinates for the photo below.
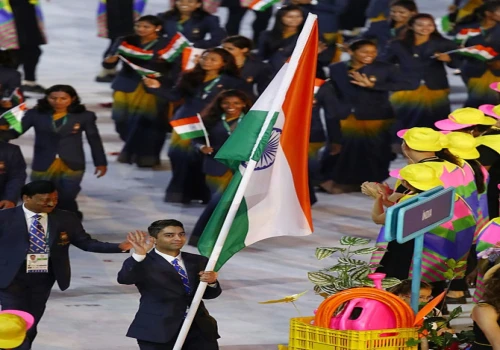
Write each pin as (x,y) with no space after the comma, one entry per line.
(361,79)
(140,241)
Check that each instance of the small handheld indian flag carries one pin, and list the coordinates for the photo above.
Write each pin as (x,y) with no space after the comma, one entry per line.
(317,84)
(16,97)
(147,73)
(262,5)
(174,48)
(125,49)
(14,116)
(190,128)
(480,52)
(190,56)
(467,33)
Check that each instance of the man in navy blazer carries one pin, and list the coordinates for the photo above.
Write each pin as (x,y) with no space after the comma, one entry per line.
(12,174)
(20,290)
(167,280)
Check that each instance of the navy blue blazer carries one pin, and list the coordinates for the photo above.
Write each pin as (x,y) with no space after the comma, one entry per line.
(328,12)
(163,298)
(10,79)
(127,78)
(218,135)
(257,75)
(365,103)
(66,143)
(196,101)
(195,30)
(472,67)
(64,228)
(325,100)
(12,172)
(276,52)
(416,64)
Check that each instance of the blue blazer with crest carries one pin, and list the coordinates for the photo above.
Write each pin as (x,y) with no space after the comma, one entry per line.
(163,298)
(64,228)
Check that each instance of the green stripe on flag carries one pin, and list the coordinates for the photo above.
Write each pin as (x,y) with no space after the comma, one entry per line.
(238,148)
(192,134)
(236,238)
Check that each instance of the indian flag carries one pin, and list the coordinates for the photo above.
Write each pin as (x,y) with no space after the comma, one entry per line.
(262,5)
(125,49)
(148,73)
(467,33)
(190,56)
(14,116)
(479,52)
(268,195)
(174,47)
(189,128)
(317,84)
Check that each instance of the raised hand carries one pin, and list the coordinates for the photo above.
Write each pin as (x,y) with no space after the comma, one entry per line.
(140,241)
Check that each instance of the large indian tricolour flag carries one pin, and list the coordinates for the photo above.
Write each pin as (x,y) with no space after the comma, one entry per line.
(269,194)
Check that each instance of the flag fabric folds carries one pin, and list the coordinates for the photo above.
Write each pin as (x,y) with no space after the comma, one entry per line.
(276,198)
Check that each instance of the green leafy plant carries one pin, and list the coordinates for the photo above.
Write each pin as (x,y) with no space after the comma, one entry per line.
(349,272)
(435,328)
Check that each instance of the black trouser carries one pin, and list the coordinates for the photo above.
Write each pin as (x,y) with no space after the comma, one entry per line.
(236,13)
(28,292)
(194,341)
(28,57)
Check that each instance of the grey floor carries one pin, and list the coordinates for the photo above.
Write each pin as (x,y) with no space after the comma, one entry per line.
(95,312)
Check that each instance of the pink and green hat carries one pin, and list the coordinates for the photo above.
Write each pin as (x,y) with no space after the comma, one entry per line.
(464,118)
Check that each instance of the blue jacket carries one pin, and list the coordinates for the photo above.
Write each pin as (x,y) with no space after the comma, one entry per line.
(257,75)
(325,100)
(416,64)
(196,101)
(276,52)
(64,228)
(128,79)
(365,103)
(378,7)
(472,67)
(195,30)
(12,172)
(163,298)
(328,12)
(66,143)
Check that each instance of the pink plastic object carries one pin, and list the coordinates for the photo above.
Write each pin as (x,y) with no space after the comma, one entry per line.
(363,314)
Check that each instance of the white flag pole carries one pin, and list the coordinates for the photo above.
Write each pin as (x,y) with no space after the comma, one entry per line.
(207,140)
(240,192)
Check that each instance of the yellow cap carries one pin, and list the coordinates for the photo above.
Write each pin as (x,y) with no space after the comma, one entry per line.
(423,139)
(12,331)
(462,145)
(471,116)
(421,176)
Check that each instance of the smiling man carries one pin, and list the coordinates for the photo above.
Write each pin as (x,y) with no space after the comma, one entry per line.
(34,242)
(167,280)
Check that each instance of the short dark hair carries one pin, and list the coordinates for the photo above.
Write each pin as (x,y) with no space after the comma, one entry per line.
(359,43)
(159,225)
(153,20)
(38,187)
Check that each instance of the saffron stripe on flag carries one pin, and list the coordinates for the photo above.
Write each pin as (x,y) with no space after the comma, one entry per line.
(184,121)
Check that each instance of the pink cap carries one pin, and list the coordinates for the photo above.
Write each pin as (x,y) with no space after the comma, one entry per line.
(28,318)
(401,133)
(495,86)
(488,110)
(450,125)
(395,173)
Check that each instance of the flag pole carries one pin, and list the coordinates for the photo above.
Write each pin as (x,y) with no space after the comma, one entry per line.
(207,140)
(240,192)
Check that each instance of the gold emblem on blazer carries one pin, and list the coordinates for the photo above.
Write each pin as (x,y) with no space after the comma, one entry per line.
(220,86)
(76,127)
(196,31)
(64,238)
(372,78)
(250,80)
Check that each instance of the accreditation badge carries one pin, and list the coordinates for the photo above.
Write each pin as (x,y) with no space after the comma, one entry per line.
(37,263)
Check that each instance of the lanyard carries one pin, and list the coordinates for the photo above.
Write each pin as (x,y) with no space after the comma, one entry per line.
(226,124)
(150,44)
(64,120)
(207,89)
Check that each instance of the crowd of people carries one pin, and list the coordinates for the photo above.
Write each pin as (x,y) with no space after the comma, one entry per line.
(381,92)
